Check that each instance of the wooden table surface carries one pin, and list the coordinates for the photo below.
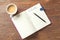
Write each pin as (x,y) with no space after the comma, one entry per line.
(51,32)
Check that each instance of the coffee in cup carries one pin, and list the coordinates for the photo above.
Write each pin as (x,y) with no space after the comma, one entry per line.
(11,8)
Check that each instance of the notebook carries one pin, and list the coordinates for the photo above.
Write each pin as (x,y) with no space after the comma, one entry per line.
(30,21)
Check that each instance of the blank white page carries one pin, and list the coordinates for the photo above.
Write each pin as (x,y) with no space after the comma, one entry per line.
(38,23)
(23,25)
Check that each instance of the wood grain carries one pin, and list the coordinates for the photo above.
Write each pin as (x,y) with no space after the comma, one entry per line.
(51,32)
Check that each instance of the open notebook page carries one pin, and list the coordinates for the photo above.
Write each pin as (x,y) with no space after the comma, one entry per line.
(38,23)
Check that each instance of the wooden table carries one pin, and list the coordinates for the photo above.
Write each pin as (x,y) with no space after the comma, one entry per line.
(51,32)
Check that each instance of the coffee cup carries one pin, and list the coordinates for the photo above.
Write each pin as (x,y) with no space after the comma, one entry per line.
(11,9)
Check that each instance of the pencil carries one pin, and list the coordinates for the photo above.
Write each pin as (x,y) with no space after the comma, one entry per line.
(40,17)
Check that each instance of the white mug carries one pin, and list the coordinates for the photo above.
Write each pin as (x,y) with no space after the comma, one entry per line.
(13,8)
